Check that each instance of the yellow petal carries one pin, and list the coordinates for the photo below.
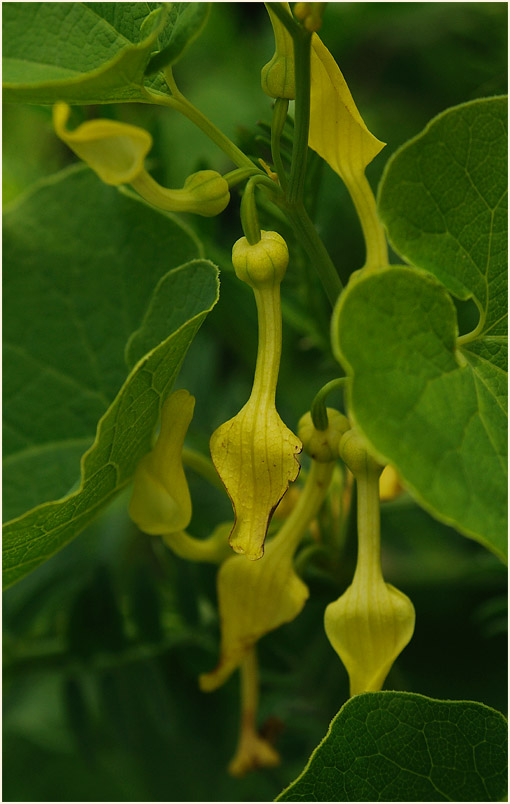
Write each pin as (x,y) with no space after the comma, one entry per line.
(337,131)
(254,598)
(255,455)
(160,502)
(369,626)
(115,151)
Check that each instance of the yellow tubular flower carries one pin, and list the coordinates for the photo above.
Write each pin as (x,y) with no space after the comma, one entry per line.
(339,135)
(372,622)
(277,76)
(257,597)
(116,152)
(255,453)
(160,501)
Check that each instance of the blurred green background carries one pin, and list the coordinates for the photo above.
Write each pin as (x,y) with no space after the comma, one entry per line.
(104,643)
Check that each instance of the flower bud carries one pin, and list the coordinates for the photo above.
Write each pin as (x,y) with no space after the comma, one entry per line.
(369,626)
(261,264)
(208,193)
(322,445)
(277,76)
(353,452)
(160,501)
(115,151)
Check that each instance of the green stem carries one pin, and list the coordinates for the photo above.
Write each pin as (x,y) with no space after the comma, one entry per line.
(249,216)
(373,232)
(237,176)
(279,117)
(203,466)
(182,105)
(307,507)
(308,237)
(302,46)
(318,407)
(368,567)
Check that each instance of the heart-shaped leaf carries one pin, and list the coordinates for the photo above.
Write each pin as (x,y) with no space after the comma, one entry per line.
(443,200)
(432,404)
(92,52)
(398,746)
(422,405)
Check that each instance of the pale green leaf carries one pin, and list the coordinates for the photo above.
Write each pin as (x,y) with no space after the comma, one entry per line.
(421,404)
(81,264)
(90,52)
(185,23)
(443,200)
(398,746)
(432,404)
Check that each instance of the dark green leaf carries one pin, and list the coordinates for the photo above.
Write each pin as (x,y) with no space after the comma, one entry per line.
(93,272)
(398,746)
(443,199)
(185,23)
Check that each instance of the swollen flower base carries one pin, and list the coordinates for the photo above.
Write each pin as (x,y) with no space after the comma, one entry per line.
(372,622)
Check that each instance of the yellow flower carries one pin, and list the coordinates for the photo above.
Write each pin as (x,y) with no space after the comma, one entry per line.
(337,131)
(372,622)
(115,151)
(160,501)
(257,597)
(254,452)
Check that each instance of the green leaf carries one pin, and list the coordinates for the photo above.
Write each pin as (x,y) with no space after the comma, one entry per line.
(398,746)
(82,262)
(443,201)
(185,23)
(432,404)
(421,403)
(79,52)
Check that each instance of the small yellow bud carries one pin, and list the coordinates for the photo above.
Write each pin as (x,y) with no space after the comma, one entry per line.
(322,445)
(263,263)
(353,452)
(310,15)
(160,501)
(277,77)
(208,192)
(115,151)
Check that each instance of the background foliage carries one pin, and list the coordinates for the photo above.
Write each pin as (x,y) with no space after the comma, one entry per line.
(104,643)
